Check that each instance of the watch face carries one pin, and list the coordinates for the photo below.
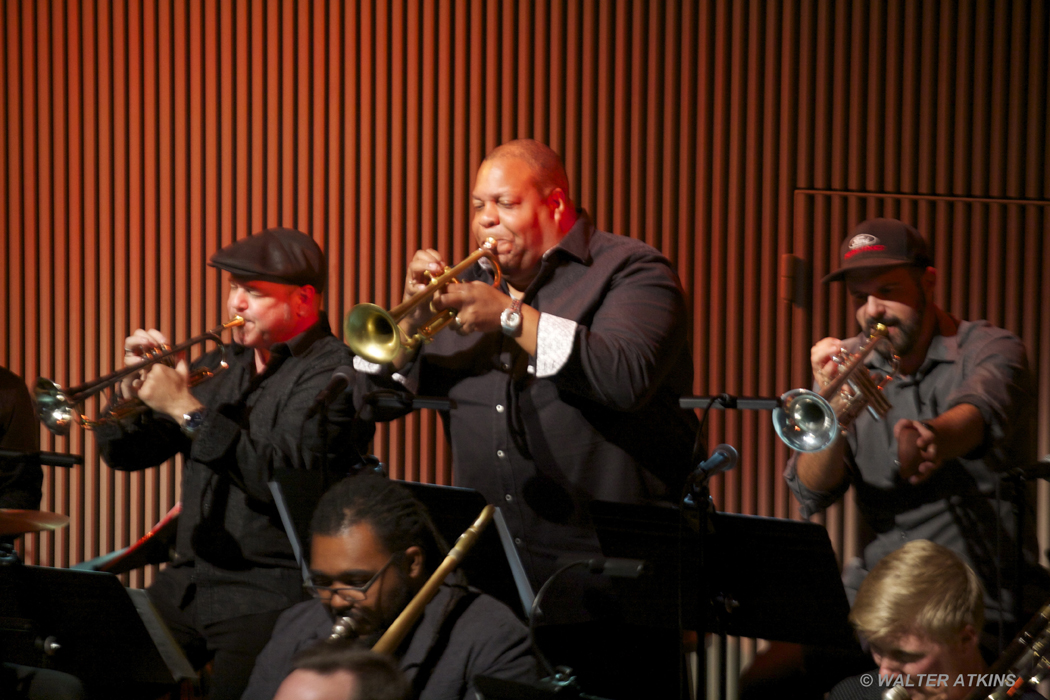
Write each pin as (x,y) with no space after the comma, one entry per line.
(510,320)
(193,420)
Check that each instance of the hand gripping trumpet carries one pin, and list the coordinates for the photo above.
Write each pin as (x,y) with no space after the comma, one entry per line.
(373,332)
(809,421)
(57,408)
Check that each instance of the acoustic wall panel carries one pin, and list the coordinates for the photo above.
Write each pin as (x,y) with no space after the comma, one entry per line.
(139,136)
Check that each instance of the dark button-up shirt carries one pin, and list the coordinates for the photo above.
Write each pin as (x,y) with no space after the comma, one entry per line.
(958,506)
(542,439)
(229,529)
(461,634)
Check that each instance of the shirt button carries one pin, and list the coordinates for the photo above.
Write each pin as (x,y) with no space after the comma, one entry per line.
(509,498)
(505,367)
(500,454)
(517,541)
(499,408)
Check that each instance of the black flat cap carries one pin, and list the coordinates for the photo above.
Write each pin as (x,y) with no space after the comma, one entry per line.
(276,255)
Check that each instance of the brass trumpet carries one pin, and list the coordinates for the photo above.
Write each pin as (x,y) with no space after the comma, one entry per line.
(57,409)
(373,332)
(808,421)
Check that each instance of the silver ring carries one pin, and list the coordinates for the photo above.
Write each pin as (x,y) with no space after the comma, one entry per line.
(457,323)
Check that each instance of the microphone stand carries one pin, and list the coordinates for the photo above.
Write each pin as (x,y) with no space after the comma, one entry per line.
(697,507)
(560,681)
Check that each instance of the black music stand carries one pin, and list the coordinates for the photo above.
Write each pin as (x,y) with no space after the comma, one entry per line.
(85,623)
(747,576)
(768,578)
(493,564)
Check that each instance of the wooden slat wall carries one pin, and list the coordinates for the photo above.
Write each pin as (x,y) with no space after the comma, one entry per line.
(141,135)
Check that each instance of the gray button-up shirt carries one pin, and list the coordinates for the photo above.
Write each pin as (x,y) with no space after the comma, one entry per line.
(964,505)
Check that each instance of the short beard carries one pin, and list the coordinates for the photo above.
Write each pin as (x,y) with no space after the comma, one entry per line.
(909,331)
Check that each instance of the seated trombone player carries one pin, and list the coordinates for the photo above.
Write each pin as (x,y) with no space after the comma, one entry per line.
(961,409)
(234,571)
(373,547)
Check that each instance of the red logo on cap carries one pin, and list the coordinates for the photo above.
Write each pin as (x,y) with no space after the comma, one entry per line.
(865,249)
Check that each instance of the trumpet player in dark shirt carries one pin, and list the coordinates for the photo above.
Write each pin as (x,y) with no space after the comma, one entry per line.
(235,570)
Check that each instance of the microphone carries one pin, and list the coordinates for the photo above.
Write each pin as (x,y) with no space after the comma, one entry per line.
(617,567)
(338,382)
(723,459)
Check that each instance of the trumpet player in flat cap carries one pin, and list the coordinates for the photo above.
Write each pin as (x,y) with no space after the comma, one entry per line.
(234,571)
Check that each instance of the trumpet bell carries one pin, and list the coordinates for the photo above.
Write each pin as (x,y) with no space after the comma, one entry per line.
(372,333)
(805,421)
(53,407)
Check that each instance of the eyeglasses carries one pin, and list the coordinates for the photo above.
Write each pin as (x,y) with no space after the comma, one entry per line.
(349,593)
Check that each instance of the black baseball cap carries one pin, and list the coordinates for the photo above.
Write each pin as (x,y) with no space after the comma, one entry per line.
(881,243)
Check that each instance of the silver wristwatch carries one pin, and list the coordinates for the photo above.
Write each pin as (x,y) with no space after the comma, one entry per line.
(192,421)
(510,319)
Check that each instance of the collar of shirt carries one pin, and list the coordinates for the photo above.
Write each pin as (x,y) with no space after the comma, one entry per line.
(577,242)
(296,346)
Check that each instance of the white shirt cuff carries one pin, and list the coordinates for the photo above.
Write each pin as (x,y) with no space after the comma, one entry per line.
(555,337)
(365,367)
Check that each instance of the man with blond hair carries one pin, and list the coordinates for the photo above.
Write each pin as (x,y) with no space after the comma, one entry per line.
(920,610)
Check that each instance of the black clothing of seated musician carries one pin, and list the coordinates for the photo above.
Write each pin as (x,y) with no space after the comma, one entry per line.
(235,571)
(20,479)
(373,547)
